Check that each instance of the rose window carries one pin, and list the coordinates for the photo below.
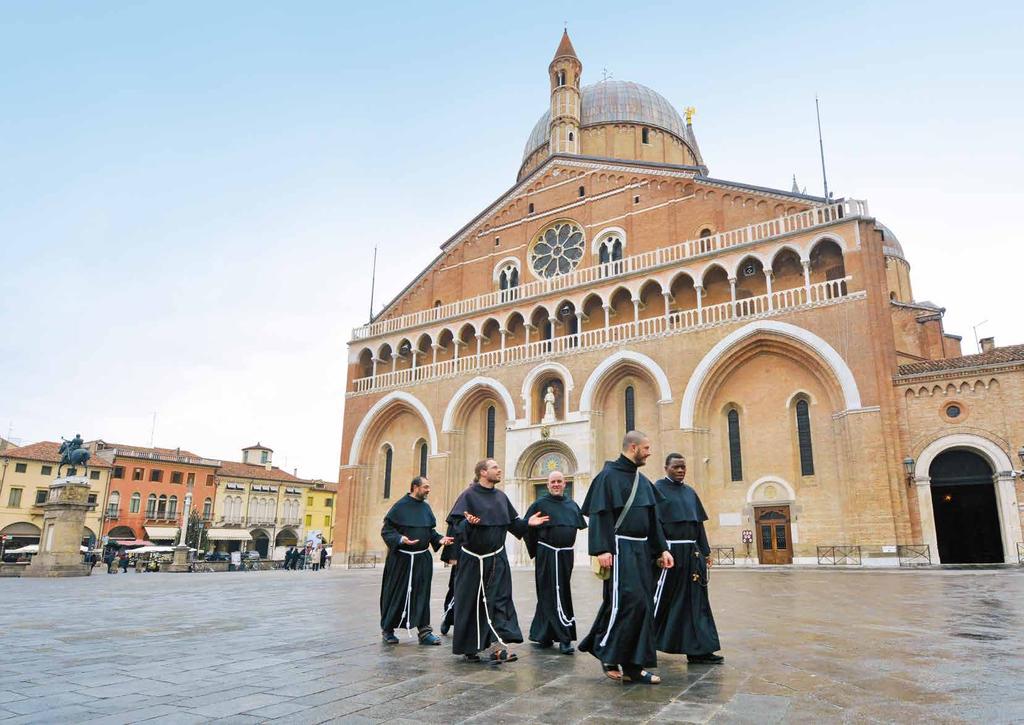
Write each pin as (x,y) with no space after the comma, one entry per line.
(557,250)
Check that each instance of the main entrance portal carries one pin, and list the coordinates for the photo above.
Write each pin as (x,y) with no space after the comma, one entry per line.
(964,502)
(774,535)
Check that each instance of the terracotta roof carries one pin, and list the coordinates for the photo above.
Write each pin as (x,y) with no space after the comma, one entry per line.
(565,47)
(49,452)
(179,455)
(252,470)
(996,356)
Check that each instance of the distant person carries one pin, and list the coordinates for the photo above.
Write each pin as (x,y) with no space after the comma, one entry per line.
(123,554)
(323,557)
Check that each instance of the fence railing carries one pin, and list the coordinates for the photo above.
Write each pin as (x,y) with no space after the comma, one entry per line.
(1020,552)
(723,556)
(839,555)
(801,221)
(362,561)
(914,554)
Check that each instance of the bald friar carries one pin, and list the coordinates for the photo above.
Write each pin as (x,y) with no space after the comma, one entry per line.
(552,545)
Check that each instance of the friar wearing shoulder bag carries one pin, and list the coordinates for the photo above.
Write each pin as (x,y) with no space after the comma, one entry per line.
(605,572)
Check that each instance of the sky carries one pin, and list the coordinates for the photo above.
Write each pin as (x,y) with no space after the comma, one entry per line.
(190,192)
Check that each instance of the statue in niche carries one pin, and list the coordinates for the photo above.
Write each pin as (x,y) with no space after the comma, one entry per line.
(549,406)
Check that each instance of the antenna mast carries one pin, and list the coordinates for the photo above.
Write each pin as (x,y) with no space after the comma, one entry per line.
(152,431)
(373,280)
(821,146)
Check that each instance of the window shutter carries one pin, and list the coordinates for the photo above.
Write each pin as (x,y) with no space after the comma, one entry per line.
(803,434)
(735,456)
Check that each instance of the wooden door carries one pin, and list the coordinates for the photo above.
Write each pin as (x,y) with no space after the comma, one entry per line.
(773,534)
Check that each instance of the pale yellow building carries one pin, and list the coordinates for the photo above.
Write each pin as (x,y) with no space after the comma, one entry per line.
(318,514)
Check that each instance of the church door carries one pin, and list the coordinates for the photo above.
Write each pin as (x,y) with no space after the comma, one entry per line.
(964,502)
(774,537)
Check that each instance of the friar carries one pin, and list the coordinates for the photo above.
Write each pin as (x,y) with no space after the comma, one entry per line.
(626,537)
(682,610)
(552,546)
(450,556)
(409,531)
(485,617)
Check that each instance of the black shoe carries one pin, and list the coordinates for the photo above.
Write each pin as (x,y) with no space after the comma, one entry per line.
(389,637)
(543,644)
(708,659)
(472,658)
(445,627)
(430,638)
(566,648)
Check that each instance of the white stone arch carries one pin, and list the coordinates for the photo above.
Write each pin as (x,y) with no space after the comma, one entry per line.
(507,262)
(791,247)
(749,254)
(390,399)
(698,275)
(842,372)
(595,245)
(792,399)
(1004,480)
(609,363)
(837,238)
(531,379)
(790,492)
(448,422)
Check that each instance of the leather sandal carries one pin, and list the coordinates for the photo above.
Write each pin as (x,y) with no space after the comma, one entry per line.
(501,656)
(612,672)
(642,677)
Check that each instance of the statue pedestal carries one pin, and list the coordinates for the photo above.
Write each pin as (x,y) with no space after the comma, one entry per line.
(180,562)
(60,543)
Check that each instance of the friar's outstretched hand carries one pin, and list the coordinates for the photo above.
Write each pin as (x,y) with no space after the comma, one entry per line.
(538,519)
(471,518)
(446,540)
(406,541)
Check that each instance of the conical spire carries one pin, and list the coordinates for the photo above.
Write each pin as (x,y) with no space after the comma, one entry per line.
(565,47)
(795,189)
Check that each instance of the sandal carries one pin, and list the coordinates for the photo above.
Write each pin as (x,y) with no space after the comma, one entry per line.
(642,677)
(501,656)
(612,672)
(472,658)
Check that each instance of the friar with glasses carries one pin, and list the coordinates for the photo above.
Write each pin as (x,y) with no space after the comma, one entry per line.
(409,531)
(626,537)
(682,611)
(485,617)
(552,545)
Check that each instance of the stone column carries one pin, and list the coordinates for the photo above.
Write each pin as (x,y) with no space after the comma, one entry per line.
(768,285)
(806,264)
(699,289)
(60,543)
(1009,514)
(927,514)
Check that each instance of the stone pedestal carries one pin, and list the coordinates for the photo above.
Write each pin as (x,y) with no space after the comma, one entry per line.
(60,543)
(180,561)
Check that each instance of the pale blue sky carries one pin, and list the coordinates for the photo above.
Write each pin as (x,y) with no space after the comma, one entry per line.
(189,191)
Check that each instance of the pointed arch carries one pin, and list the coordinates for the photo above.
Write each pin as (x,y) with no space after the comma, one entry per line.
(397,397)
(622,357)
(448,422)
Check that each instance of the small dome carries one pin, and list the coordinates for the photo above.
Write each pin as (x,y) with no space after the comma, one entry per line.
(891,246)
(616,101)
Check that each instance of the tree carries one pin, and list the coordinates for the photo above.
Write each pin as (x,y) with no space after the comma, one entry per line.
(195,535)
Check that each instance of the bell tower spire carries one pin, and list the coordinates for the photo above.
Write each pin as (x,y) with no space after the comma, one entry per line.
(564,72)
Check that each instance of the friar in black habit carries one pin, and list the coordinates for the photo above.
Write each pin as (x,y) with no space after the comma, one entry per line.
(450,556)
(552,546)
(626,537)
(409,532)
(682,611)
(485,616)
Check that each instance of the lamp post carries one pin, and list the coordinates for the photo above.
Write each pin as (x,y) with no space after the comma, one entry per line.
(180,562)
(1020,456)
(908,467)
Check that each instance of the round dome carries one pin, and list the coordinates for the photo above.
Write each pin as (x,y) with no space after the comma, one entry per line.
(616,101)
(891,246)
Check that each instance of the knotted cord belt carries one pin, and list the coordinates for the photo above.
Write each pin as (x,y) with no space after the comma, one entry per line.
(615,584)
(664,574)
(481,594)
(407,611)
(566,621)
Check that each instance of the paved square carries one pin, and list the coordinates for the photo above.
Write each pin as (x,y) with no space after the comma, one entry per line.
(298,647)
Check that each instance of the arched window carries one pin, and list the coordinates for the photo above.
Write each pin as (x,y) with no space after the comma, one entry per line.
(645,135)
(113,503)
(389,456)
(208,509)
(560,78)
(508,279)
(161,507)
(490,432)
(630,396)
(172,507)
(423,458)
(735,456)
(151,506)
(803,436)
(610,249)
(135,503)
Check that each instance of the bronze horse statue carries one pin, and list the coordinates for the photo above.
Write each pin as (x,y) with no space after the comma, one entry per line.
(73,453)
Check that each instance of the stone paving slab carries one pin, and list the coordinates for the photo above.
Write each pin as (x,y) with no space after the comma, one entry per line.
(802,645)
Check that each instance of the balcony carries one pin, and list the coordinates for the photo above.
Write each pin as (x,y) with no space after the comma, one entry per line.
(229,521)
(112,513)
(762,231)
(673,323)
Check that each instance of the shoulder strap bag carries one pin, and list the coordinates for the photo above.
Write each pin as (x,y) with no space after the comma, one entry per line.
(604,572)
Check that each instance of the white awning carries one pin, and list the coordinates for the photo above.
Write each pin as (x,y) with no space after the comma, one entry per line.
(162,532)
(228,535)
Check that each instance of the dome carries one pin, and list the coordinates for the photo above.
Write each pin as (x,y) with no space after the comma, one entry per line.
(891,246)
(616,101)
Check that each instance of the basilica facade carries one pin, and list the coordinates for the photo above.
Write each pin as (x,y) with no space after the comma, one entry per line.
(771,337)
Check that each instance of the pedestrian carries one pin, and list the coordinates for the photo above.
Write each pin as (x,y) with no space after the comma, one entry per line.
(626,537)
(683,620)
(108,559)
(552,545)
(485,616)
(288,555)
(323,557)
(450,556)
(123,554)
(315,553)
(409,532)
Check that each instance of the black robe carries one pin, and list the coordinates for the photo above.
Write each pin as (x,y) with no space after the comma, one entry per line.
(623,630)
(450,553)
(683,620)
(554,620)
(408,565)
(484,614)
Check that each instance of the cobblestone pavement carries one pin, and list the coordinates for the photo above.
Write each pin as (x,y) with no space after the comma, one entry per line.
(299,647)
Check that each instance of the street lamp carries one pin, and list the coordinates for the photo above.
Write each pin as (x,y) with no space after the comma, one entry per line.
(908,467)
(1020,455)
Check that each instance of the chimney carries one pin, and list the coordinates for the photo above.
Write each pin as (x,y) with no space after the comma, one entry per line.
(988,344)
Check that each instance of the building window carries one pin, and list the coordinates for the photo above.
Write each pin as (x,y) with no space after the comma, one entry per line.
(508,278)
(953,411)
(309,520)
(557,250)
(156,475)
(46,470)
(803,435)
(582,192)
(328,503)
(14,498)
(423,458)
(389,456)
(135,503)
(209,479)
(92,498)
(645,135)
(137,474)
(20,467)
(118,472)
(571,137)
(636,199)
(113,504)
(151,506)
(610,249)
(630,396)
(94,475)
(172,507)
(327,522)
(176,477)
(705,233)
(497,241)
(41,495)
(190,479)
(560,78)
(529,209)
(161,507)
(489,433)
(264,456)
(735,456)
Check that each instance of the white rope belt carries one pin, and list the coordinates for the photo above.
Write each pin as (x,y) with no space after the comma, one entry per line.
(664,574)
(566,621)
(407,611)
(615,584)
(481,594)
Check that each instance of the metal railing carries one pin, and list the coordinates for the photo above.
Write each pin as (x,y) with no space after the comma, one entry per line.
(914,554)
(839,555)
(167,457)
(723,555)
(362,561)
(1020,552)
(672,323)
(761,231)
